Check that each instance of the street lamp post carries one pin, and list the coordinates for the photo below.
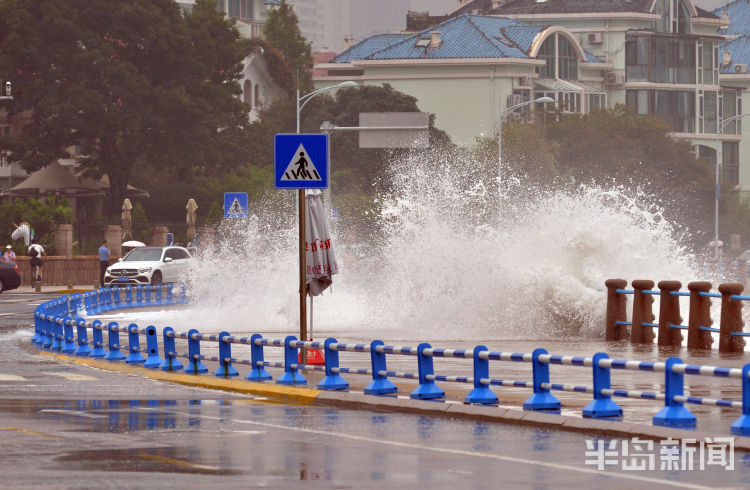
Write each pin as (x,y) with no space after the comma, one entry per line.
(542,100)
(301,101)
(717,182)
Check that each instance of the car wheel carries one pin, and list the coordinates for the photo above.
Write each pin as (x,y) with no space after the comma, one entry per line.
(156,278)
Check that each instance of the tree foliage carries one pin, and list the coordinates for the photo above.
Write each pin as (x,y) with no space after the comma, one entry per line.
(42,216)
(131,84)
(282,32)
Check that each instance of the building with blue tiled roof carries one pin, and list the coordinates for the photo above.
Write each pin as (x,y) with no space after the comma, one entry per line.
(469,67)
(666,58)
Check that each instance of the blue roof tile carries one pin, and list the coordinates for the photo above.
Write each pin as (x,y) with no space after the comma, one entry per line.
(739,50)
(365,48)
(739,17)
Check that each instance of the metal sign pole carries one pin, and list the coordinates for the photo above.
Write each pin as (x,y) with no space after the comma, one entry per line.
(302,272)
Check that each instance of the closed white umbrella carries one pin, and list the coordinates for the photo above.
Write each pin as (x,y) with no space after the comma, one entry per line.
(320,258)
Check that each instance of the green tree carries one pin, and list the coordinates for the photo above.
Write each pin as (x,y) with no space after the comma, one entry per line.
(131,84)
(43,217)
(282,32)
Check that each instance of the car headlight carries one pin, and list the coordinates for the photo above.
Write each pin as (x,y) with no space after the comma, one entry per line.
(144,270)
(108,271)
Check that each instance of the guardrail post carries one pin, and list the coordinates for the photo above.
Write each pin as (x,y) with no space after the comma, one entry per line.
(642,312)
(427,389)
(171,363)
(37,326)
(48,332)
(170,298)
(68,345)
(158,295)
(380,384)
(542,399)
(84,349)
(602,406)
(97,338)
(138,296)
(116,299)
(152,345)
(147,295)
(291,375)
(128,296)
(134,343)
(195,365)
(225,358)
(481,394)
(731,319)
(332,380)
(616,310)
(114,343)
(257,370)
(57,334)
(674,413)
(741,426)
(669,312)
(700,316)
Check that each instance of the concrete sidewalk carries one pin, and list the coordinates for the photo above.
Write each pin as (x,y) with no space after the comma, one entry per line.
(53,289)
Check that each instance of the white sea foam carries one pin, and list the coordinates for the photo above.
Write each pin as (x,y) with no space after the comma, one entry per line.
(445,265)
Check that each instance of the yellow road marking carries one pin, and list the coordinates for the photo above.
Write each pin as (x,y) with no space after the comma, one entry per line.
(24,431)
(178,462)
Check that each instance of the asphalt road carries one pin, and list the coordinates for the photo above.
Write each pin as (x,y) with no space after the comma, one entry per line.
(64,425)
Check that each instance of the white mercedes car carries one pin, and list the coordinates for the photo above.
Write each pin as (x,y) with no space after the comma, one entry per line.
(148,265)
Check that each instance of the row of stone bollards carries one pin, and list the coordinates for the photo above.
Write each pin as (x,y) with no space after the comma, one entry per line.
(669,326)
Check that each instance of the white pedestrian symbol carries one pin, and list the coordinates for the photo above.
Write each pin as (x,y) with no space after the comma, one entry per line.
(236,208)
(301,167)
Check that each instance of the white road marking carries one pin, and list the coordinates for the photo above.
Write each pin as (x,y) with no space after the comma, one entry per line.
(72,376)
(510,459)
(11,377)
(77,413)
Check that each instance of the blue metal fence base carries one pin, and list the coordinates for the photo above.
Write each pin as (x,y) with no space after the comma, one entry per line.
(259,374)
(481,396)
(542,402)
(171,364)
(427,392)
(226,371)
(333,383)
(380,387)
(741,426)
(293,377)
(196,367)
(601,409)
(675,416)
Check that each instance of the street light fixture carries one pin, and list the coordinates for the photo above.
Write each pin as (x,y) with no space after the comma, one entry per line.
(301,101)
(541,100)
(717,190)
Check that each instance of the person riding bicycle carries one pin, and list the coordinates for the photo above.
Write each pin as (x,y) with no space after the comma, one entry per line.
(36,252)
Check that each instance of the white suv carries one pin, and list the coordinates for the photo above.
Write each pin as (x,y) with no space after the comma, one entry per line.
(148,265)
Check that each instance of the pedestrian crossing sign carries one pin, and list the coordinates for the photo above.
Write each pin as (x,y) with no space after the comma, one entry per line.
(235,205)
(301,161)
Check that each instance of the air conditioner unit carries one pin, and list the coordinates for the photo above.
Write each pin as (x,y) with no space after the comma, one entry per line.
(514,100)
(525,82)
(595,38)
(614,78)
(740,67)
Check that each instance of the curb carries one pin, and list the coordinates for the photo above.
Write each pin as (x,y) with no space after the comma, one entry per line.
(402,404)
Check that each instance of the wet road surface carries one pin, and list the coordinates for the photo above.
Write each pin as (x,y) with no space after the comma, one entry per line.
(65,426)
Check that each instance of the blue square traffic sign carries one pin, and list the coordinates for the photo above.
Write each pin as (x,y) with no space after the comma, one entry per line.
(235,205)
(301,161)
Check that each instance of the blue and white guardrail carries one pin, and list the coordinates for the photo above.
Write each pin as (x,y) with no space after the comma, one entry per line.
(59,328)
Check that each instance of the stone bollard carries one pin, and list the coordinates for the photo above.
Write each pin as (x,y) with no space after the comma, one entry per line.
(616,310)
(700,316)
(669,313)
(642,312)
(731,318)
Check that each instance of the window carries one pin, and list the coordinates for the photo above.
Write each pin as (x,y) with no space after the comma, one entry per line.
(5,130)
(234,8)
(710,114)
(597,101)
(256,96)
(247,92)
(249,9)
(659,59)
(675,107)
(730,162)
(674,16)
(560,57)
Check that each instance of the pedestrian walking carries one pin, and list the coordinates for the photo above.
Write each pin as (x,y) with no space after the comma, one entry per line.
(103,262)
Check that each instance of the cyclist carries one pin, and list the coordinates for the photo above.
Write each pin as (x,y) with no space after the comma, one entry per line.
(36,252)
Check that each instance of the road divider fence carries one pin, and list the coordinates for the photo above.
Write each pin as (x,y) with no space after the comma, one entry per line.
(61,326)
